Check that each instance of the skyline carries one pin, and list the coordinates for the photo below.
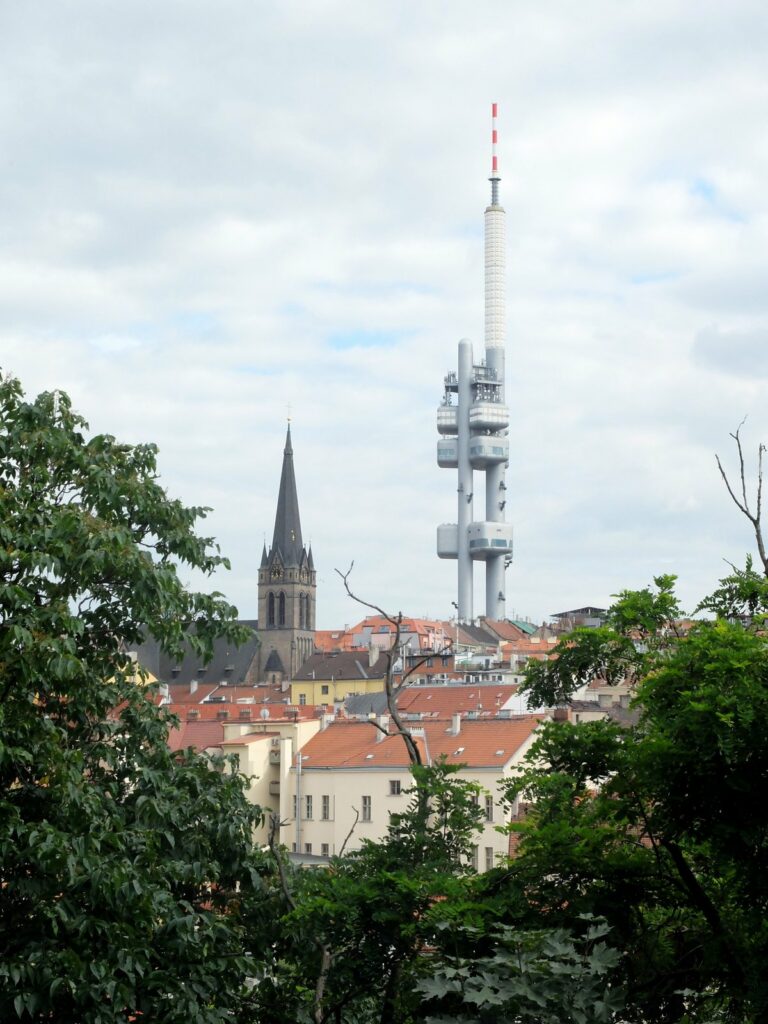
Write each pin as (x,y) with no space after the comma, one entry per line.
(217,220)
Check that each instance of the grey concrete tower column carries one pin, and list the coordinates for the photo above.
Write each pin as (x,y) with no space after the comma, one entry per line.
(465,485)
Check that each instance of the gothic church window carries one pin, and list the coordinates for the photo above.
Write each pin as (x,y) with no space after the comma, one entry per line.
(281,609)
(271,610)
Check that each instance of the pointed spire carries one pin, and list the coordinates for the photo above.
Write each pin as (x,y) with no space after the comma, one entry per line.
(264,555)
(287,536)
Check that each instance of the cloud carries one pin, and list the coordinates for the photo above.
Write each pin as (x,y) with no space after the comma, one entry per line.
(210,217)
(742,353)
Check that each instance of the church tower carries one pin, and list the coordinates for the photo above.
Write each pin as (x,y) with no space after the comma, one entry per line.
(287,585)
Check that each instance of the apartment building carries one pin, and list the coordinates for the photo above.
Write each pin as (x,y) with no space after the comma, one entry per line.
(350,776)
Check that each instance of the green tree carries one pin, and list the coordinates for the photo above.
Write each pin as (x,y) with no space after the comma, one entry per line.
(662,827)
(348,943)
(124,869)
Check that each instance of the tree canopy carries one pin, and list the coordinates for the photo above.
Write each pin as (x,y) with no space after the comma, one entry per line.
(123,867)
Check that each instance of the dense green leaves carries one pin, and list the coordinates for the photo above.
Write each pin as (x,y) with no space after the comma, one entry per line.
(123,868)
(662,827)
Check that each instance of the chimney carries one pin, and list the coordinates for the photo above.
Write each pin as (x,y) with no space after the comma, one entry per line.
(455,723)
(325,721)
(193,686)
(373,654)
(561,714)
(383,721)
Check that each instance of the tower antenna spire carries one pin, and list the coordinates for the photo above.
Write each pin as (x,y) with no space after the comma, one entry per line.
(495,176)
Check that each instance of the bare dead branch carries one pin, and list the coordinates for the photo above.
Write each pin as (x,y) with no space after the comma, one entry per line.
(411,746)
(354,826)
(743,504)
(274,849)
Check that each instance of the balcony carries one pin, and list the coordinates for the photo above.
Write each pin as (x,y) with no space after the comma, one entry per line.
(274,787)
(486,416)
(485,451)
(448,540)
(486,540)
(447,453)
(448,419)
(274,756)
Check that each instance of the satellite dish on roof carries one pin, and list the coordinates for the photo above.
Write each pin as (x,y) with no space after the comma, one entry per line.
(264,713)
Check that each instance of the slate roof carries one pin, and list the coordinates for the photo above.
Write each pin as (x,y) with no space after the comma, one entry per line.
(366,703)
(469,635)
(339,665)
(229,663)
(274,664)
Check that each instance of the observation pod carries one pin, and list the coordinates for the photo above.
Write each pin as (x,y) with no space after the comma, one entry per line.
(488,416)
(447,419)
(483,451)
(487,540)
(448,453)
(448,540)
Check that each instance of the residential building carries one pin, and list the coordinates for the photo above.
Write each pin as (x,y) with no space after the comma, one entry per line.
(327,678)
(354,776)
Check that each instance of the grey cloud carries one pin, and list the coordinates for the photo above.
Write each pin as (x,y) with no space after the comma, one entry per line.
(744,353)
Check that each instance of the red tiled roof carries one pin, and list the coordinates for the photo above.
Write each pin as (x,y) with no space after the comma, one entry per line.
(277,712)
(200,735)
(180,693)
(333,640)
(448,700)
(479,744)
(505,630)
(251,737)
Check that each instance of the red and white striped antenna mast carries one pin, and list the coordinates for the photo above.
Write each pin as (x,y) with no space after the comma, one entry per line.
(495,176)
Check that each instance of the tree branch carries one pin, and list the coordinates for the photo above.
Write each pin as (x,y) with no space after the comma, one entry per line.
(391,691)
(743,504)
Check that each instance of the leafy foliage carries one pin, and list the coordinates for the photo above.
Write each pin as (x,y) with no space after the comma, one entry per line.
(530,977)
(123,868)
(660,827)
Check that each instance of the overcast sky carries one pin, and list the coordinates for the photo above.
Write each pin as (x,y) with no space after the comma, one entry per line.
(217,214)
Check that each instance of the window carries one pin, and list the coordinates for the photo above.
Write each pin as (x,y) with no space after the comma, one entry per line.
(324,850)
(488,858)
(325,807)
(294,809)
(473,858)
(293,847)
(489,808)
(271,610)
(281,609)
(394,787)
(307,847)
(308,807)
(302,699)
(324,689)
(302,613)
(366,808)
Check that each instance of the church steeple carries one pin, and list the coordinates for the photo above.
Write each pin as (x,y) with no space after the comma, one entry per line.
(286,539)
(287,583)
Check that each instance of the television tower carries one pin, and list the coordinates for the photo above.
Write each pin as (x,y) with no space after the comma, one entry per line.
(474,429)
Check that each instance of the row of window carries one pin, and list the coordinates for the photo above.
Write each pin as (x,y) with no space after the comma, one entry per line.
(395,789)
(489,858)
(276,610)
(366,810)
